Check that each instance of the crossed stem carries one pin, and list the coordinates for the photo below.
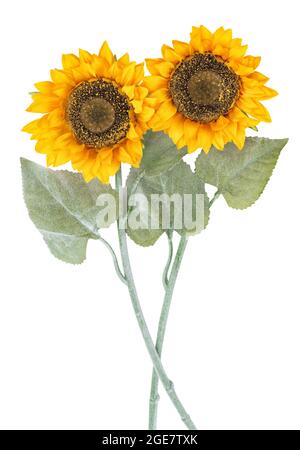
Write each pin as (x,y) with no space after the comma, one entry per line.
(169,284)
(169,281)
(155,357)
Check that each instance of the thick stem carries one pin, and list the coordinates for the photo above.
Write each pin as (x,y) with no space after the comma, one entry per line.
(161,373)
(154,397)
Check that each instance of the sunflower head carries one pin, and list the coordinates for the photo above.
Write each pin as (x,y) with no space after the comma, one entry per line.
(95,112)
(207,91)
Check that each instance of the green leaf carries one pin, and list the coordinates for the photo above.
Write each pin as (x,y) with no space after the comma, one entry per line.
(240,176)
(67,248)
(159,153)
(63,208)
(178,180)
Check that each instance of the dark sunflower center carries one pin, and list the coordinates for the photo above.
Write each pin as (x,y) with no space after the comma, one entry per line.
(203,88)
(98,113)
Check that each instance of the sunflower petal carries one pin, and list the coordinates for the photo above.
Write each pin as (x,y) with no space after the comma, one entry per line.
(106,53)
(69,61)
(181,48)
(155,82)
(167,110)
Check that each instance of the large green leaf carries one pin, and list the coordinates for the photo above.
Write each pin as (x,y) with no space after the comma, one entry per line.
(240,176)
(63,207)
(159,153)
(178,180)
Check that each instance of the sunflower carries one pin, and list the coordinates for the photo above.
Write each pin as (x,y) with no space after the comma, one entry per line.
(207,91)
(95,113)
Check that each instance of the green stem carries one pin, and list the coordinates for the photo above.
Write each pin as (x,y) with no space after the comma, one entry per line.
(169,285)
(114,257)
(161,373)
(165,277)
(154,397)
(215,197)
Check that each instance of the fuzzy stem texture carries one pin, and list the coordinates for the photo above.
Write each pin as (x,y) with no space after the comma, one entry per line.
(158,367)
(169,288)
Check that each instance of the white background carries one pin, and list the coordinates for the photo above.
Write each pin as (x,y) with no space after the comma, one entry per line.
(71,354)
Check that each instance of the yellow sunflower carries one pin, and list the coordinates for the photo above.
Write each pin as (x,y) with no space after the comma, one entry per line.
(207,91)
(95,113)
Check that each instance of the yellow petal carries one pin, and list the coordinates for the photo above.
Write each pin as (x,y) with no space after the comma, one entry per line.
(268,93)
(129,91)
(100,66)
(261,113)
(239,138)
(42,146)
(140,92)
(181,143)
(176,129)
(218,140)
(64,138)
(170,55)
(205,33)
(132,134)
(219,124)
(31,127)
(155,82)
(56,118)
(217,35)
(62,157)
(106,53)
(247,65)
(59,76)
(79,159)
(201,39)
(251,61)
(221,51)
(43,105)
(236,42)
(139,73)
(124,60)
(259,77)
(85,56)
(124,155)
(181,48)
(246,104)
(146,113)
(230,131)
(166,110)
(238,52)
(137,106)
(205,137)
(162,94)
(225,38)
(69,61)
(152,102)
(50,159)
(46,87)
(190,129)
(165,69)
(128,74)
(135,149)
(151,64)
